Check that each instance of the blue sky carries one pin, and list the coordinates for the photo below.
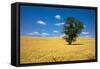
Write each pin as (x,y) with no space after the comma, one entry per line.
(48,21)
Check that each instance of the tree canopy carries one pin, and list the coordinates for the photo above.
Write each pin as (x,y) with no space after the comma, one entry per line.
(72,28)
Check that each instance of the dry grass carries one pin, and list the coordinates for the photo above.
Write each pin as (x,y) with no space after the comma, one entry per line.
(55,49)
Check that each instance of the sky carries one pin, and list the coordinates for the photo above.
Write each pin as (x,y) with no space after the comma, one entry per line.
(48,21)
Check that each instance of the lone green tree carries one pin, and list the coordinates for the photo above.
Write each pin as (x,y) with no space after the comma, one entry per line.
(72,28)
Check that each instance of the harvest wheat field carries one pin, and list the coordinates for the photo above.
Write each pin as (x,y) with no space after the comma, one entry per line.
(55,49)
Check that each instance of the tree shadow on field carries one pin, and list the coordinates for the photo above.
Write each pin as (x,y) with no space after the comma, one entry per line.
(73,44)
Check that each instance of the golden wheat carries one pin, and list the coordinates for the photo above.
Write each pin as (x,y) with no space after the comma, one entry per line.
(55,49)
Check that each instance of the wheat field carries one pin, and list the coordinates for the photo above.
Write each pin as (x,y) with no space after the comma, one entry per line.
(55,49)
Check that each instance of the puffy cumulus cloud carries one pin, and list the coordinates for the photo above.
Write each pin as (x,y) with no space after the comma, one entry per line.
(41,22)
(57,16)
(29,33)
(59,24)
(38,34)
(34,33)
(44,34)
(85,33)
(55,31)
(62,35)
(87,36)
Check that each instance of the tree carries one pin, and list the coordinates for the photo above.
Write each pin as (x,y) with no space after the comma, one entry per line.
(72,28)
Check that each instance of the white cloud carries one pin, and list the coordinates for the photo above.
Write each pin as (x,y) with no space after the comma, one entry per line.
(62,35)
(55,31)
(85,33)
(59,24)
(58,17)
(34,33)
(87,36)
(44,34)
(41,22)
(30,33)
(38,34)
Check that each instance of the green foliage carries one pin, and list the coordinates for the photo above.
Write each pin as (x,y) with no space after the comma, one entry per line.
(72,28)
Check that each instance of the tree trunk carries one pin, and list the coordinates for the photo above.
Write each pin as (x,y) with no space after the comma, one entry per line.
(69,43)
